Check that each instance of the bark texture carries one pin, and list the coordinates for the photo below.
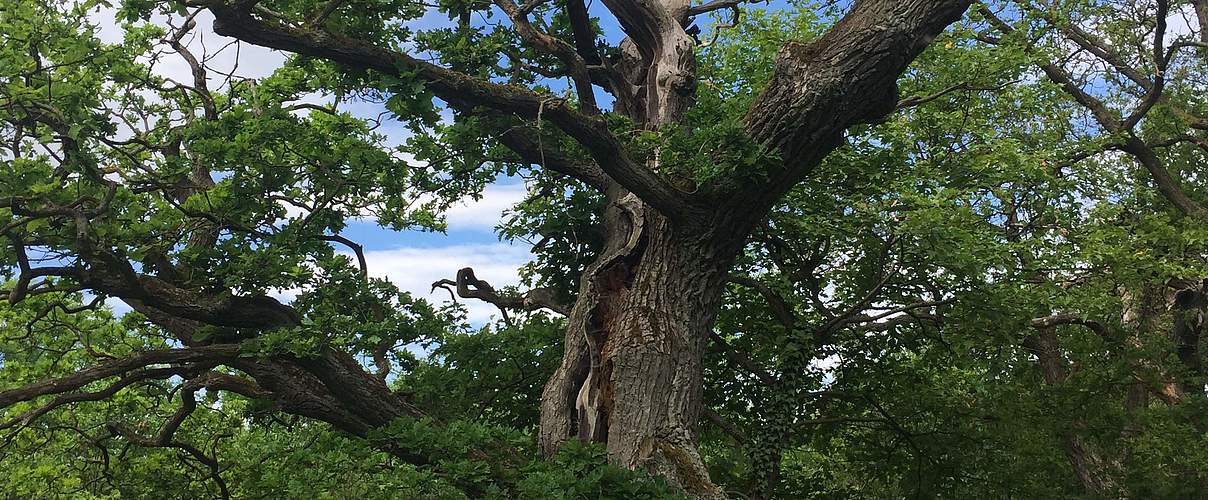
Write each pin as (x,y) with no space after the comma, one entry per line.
(638,331)
(632,373)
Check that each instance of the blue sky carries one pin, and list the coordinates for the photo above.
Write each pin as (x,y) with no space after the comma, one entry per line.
(410,259)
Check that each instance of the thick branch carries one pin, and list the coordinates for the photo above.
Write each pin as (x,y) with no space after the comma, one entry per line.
(356,249)
(526,143)
(117,279)
(78,397)
(846,77)
(1059,319)
(708,7)
(726,426)
(1166,183)
(210,353)
(463,92)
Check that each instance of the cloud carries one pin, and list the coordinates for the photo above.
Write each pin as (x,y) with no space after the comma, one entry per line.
(485,213)
(220,55)
(415,269)
(117,307)
(1182,22)
(481,215)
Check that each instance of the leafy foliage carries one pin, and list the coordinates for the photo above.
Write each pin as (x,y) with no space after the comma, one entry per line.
(966,300)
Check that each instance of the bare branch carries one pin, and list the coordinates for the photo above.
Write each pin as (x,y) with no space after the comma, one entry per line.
(355,247)
(470,287)
(708,7)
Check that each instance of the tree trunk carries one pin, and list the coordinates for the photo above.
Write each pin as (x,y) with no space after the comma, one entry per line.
(631,377)
(1092,470)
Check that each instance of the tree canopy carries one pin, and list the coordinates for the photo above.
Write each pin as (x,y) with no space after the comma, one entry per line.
(794,249)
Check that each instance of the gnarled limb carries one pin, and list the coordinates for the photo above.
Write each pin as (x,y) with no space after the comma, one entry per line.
(469,286)
(200,354)
(460,91)
(20,421)
(846,77)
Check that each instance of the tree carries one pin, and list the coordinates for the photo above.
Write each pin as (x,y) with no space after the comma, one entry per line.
(776,274)
(631,376)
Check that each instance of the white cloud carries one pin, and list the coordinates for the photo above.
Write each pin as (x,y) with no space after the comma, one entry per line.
(1182,22)
(468,214)
(220,55)
(487,212)
(415,269)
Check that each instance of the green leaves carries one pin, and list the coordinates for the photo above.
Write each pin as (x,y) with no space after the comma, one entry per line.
(579,471)
(409,98)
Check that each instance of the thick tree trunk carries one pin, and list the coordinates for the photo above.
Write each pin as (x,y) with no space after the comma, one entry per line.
(632,374)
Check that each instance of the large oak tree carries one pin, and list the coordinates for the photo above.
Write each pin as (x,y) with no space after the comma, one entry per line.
(631,375)
(691,183)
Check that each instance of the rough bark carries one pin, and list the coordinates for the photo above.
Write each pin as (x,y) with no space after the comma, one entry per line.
(846,77)
(1188,307)
(1201,14)
(632,374)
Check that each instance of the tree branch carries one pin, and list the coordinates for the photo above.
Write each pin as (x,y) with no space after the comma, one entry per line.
(1059,319)
(779,306)
(463,92)
(164,439)
(470,287)
(845,77)
(741,359)
(199,354)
